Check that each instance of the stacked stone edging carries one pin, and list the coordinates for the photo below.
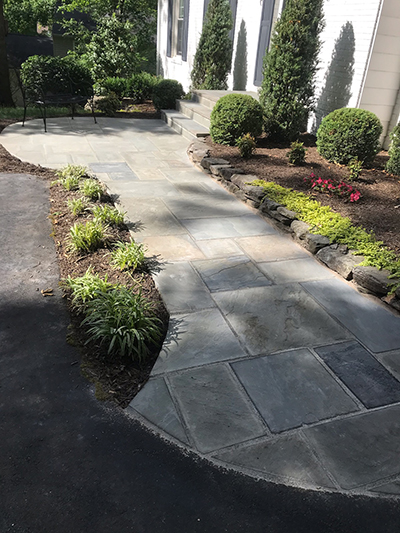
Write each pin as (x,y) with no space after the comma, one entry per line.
(336,256)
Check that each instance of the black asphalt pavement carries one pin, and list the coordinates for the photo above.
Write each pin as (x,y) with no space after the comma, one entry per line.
(71,464)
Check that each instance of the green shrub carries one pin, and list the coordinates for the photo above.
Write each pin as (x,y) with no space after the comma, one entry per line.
(349,133)
(77,206)
(41,74)
(91,189)
(118,86)
(108,215)
(393,165)
(70,183)
(165,93)
(140,86)
(297,153)
(213,57)
(84,288)
(123,321)
(128,255)
(86,237)
(246,145)
(233,116)
(290,65)
(108,104)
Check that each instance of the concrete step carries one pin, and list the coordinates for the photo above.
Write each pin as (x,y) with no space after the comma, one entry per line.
(195,111)
(210,98)
(183,125)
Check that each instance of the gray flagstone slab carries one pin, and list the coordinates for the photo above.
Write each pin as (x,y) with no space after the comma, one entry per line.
(292,388)
(375,326)
(215,412)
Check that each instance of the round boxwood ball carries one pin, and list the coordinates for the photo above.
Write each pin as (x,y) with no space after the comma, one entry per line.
(349,133)
(233,116)
(166,92)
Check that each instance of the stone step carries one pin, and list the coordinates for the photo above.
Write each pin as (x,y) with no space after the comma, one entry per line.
(210,98)
(183,125)
(195,111)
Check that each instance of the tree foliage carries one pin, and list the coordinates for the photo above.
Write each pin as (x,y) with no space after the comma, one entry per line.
(213,58)
(23,15)
(287,91)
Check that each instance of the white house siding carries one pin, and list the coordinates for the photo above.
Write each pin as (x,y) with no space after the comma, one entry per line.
(363,17)
(173,67)
(382,82)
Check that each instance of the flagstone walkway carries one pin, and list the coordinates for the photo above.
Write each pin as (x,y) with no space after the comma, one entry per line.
(273,365)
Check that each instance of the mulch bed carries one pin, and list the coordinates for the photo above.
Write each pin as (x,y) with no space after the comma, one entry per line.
(377,210)
(117,380)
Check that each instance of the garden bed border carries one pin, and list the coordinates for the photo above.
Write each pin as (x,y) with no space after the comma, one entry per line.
(335,256)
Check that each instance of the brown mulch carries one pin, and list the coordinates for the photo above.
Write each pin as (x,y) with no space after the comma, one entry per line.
(377,210)
(117,380)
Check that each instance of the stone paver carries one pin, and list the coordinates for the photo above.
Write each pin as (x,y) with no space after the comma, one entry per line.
(279,317)
(231,273)
(197,339)
(359,450)
(295,270)
(233,226)
(285,459)
(215,414)
(258,327)
(154,402)
(292,388)
(182,288)
(362,373)
(375,326)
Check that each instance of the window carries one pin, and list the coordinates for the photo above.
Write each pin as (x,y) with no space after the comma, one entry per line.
(178,26)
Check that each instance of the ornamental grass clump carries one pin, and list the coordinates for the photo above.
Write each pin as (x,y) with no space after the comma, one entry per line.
(233,116)
(108,215)
(122,321)
(86,237)
(349,133)
(91,189)
(77,206)
(84,288)
(128,255)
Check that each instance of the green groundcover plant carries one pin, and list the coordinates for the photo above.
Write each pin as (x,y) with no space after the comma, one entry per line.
(84,288)
(337,228)
(128,255)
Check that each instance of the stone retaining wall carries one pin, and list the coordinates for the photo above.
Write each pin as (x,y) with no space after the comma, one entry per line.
(336,256)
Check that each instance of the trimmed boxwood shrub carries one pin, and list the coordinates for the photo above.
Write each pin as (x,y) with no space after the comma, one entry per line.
(233,116)
(393,165)
(140,86)
(349,133)
(118,86)
(165,93)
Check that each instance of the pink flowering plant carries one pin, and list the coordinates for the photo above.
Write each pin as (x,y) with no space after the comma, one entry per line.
(330,187)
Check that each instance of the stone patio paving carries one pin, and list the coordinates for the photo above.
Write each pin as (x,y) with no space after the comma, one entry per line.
(272,364)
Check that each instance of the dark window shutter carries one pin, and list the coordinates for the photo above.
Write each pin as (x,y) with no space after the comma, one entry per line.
(169,28)
(206,2)
(233,4)
(185,30)
(263,39)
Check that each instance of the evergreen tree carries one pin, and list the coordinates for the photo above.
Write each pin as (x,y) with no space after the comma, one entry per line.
(240,66)
(287,91)
(213,58)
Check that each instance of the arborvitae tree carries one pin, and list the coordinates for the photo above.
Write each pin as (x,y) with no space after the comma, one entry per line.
(213,58)
(240,66)
(287,91)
